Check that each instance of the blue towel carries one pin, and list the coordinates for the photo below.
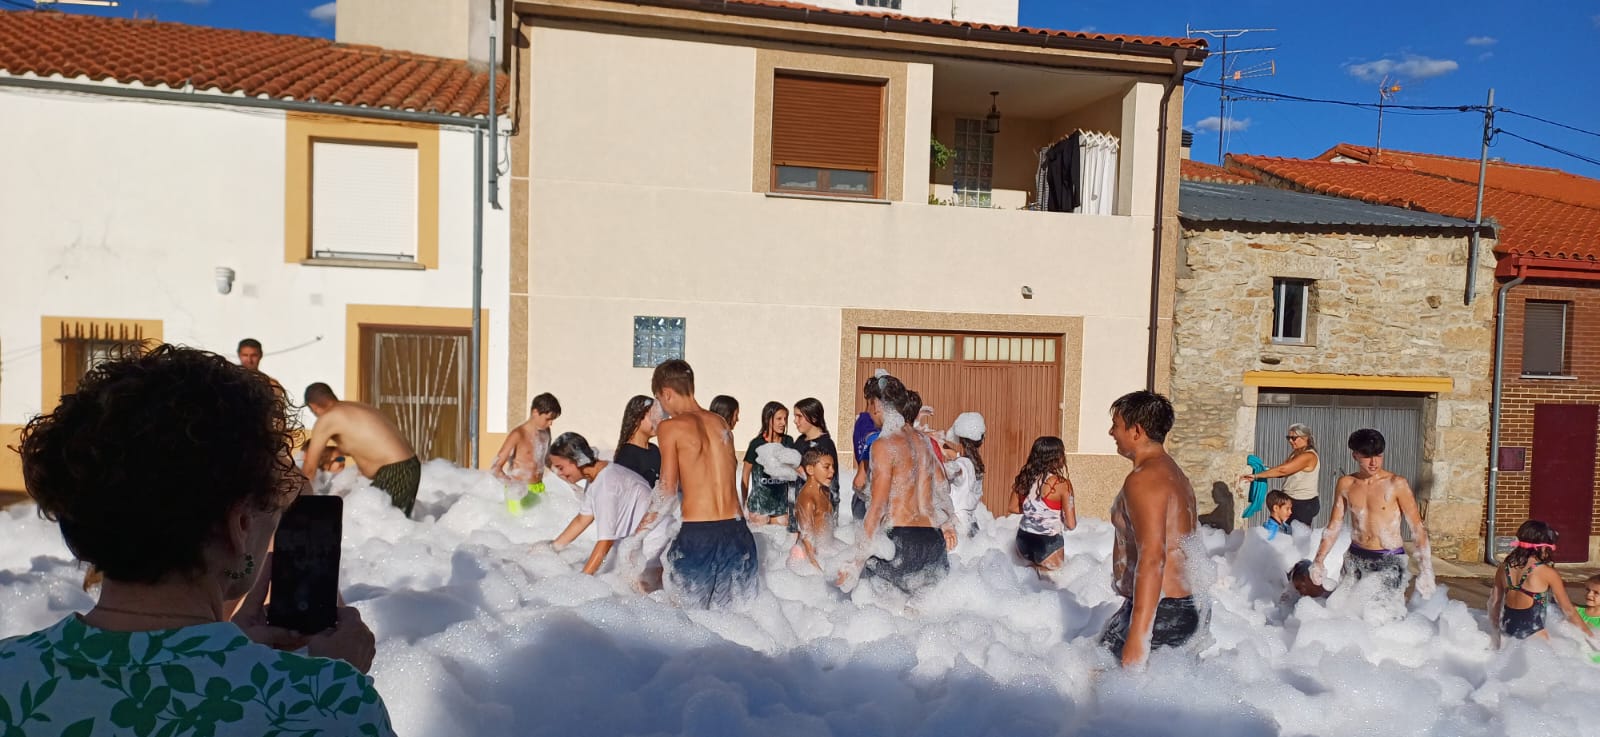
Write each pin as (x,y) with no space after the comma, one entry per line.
(1258,487)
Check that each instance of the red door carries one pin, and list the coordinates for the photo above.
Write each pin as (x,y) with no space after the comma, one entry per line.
(1563,474)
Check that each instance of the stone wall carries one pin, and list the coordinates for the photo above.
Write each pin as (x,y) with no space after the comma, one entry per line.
(1382,305)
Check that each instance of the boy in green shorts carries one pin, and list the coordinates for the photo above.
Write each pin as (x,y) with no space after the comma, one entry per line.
(526,450)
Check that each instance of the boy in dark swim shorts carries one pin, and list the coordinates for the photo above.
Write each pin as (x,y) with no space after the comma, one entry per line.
(1387,565)
(1176,621)
(713,564)
(920,559)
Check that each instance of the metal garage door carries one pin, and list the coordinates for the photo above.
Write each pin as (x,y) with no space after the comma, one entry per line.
(1332,417)
(1013,380)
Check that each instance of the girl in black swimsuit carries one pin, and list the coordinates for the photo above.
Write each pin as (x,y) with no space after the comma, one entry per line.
(1527,577)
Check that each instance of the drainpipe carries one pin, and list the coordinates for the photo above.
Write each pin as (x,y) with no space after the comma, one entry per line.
(1151,348)
(475,349)
(1494,409)
(494,119)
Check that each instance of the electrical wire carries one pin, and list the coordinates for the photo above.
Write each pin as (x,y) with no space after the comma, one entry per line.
(1546,121)
(1549,147)
(1286,97)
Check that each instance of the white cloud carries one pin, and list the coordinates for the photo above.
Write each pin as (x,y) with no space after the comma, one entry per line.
(1409,66)
(1214,124)
(1485,56)
(323,12)
(1482,41)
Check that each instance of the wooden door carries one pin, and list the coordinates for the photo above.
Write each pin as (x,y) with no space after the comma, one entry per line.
(418,377)
(1014,381)
(1563,474)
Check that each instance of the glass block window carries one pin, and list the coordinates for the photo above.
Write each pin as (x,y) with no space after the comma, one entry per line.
(890,4)
(656,339)
(974,164)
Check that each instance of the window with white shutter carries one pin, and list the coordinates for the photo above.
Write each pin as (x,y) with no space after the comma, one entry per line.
(363,201)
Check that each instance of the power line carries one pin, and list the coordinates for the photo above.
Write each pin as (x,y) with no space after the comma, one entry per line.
(1549,122)
(1286,97)
(1549,147)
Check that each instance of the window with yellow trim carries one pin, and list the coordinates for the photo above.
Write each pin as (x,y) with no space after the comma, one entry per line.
(85,345)
(363,200)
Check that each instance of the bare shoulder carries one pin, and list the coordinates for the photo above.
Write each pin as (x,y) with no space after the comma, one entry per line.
(1341,488)
(1400,485)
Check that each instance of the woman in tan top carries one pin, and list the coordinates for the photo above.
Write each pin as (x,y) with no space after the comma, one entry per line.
(1299,473)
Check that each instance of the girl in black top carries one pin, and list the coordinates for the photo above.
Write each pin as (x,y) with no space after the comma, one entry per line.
(812,424)
(635,452)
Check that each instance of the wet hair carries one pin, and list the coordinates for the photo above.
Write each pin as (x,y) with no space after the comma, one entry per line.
(893,395)
(1048,455)
(248,343)
(633,415)
(969,447)
(811,409)
(1276,497)
(1535,532)
(769,411)
(1147,410)
(318,393)
(1367,442)
(546,404)
(911,407)
(1301,430)
(724,406)
(674,374)
(573,447)
(812,457)
(143,464)
(870,390)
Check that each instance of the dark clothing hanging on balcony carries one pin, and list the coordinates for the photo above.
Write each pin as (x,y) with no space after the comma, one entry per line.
(1062,170)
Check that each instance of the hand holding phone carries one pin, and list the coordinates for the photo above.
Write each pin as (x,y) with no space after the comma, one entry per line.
(305,565)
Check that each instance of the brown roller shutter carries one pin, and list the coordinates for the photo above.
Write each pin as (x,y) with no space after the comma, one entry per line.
(1544,338)
(826,123)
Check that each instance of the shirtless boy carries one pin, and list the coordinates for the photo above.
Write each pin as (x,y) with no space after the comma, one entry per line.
(1376,499)
(813,510)
(366,434)
(1154,513)
(910,494)
(527,449)
(712,562)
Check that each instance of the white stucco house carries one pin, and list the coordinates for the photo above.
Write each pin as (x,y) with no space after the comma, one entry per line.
(201,186)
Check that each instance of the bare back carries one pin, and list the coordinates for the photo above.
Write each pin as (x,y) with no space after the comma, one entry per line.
(910,477)
(697,458)
(1156,494)
(363,433)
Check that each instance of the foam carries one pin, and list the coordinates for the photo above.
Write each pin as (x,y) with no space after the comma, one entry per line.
(479,633)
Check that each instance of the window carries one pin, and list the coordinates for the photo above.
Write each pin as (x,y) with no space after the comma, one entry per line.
(1544,338)
(1290,302)
(826,135)
(656,339)
(974,164)
(84,347)
(890,4)
(363,201)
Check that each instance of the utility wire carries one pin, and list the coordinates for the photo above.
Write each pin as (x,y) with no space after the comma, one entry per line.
(1347,103)
(1546,121)
(1549,147)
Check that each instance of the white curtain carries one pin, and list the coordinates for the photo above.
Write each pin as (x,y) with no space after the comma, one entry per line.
(1098,174)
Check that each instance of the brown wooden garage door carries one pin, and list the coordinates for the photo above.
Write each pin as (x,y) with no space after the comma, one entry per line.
(1013,380)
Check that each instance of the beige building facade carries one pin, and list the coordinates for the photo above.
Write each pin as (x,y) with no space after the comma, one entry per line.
(649,204)
(1384,340)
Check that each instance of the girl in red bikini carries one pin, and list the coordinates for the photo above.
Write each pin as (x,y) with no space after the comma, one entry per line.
(1042,494)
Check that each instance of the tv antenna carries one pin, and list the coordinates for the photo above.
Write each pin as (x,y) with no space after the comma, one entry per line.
(1387,90)
(1230,68)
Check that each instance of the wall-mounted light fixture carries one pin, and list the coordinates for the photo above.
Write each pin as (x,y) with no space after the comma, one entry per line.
(1027,292)
(224,280)
(991,123)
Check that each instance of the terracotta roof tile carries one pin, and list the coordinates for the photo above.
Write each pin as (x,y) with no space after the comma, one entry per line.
(1199,171)
(230,61)
(1526,178)
(1530,224)
(1172,41)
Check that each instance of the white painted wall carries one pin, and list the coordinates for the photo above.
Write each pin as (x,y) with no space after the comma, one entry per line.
(640,203)
(122,209)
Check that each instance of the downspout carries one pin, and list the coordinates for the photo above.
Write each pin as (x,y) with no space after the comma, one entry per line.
(1494,409)
(494,119)
(474,360)
(1151,349)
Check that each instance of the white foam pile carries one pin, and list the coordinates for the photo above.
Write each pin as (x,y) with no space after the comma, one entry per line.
(477,635)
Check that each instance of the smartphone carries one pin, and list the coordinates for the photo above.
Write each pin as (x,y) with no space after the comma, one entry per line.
(305,565)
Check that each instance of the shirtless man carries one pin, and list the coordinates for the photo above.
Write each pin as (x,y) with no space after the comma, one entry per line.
(1154,513)
(250,354)
(527,450)
(1376,500)
(381,452)
(910,494)
(712,562)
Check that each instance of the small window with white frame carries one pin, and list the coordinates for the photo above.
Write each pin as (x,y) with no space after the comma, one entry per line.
(1291,304)
(363,201)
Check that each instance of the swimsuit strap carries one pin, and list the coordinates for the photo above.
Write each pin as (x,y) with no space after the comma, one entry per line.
(1538,598)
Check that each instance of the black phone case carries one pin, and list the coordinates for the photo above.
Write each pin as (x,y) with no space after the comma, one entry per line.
(305,565)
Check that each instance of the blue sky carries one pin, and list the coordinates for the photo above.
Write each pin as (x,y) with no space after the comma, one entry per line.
(1440,53)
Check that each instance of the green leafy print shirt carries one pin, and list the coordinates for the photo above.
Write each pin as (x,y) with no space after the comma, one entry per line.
(74,680)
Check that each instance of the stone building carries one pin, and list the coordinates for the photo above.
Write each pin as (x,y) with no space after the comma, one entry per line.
(1295,307)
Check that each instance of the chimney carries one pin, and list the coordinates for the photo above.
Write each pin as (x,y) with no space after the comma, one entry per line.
(1188,143)
(454,29)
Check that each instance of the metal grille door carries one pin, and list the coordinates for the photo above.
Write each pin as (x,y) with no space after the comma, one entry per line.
(419,379)
(1332,417)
